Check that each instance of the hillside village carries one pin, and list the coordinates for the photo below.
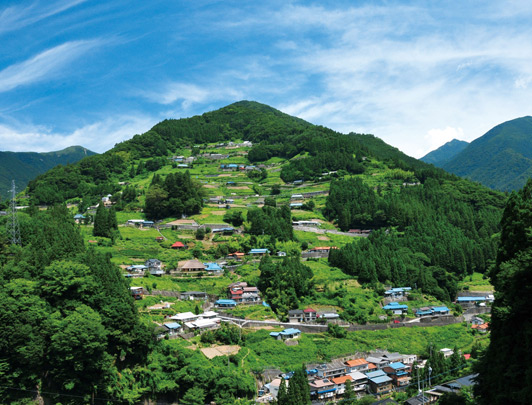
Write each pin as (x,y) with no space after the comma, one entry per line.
(205,265)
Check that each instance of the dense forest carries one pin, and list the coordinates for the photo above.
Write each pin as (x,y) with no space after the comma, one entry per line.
(427,236)
(71,333)
(511,327)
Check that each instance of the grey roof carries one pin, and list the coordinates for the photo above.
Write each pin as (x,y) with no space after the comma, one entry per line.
(468,380)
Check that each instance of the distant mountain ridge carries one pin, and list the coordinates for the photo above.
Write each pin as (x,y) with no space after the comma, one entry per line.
(24,166)
(445,153)
(500,159)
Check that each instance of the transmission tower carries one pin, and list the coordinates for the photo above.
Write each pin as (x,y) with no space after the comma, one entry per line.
(13,227)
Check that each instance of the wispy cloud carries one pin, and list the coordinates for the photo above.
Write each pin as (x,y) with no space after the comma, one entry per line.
(98,136)
(17,17)
(45,65)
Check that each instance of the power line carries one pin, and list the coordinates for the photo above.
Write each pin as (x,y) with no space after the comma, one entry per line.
(13,227)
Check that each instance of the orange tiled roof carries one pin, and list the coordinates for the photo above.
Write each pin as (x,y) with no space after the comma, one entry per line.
(342,379)
(371,366)
(356,362)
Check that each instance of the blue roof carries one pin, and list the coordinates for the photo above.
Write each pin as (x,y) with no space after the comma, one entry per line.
(212,267)
(375,374)
(440,309)
(428,312)
(290,331)
(265,304)
(466,299)
(329,390)
(172,325)
(225,302)
(148,222)
(395,305)
(232,165)
(275,334)
(381,379)
(397,365)
(296,204)
(252,251)
(79,216)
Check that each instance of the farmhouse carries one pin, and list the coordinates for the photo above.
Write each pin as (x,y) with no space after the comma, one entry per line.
(289,333)
(193,265)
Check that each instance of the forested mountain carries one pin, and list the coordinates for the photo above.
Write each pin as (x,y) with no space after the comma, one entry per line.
(500,159)
(511,327)
(445,152)
(429,230)
(25,166)
(272,132)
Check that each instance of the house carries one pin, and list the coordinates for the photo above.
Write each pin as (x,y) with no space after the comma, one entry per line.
(148,224)
(440,310)
(359,381)
(378,362)
(203,324)
(223,303)
(79,218)
(470,301)
(241,293)
(193,295)
(322,389)
(357,365)
(297,197)
(322,249)
(178,245)
(193,265)
(397,291)
(137,268)
(396,308)
(209,315)
(236,256)
(184,317)
(483,328)
(155,267)
(328,315)
(477,321)
(286,334)
(213,267)
(310,315)
(296,205)
(172,327)
(333,369)
(340,383)
(447,352)
(295,316)
(398,372)
(137,292)
(281,254)
(134,222)
(259,252)
(379,382)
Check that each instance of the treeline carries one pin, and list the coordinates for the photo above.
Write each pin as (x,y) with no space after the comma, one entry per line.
(69,321)
(272,221)
(173,196)
(428,236)
(70,329)
(284,284)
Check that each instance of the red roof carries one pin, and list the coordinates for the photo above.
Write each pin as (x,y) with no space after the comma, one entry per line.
(308,310)
(467,356)
(178,245)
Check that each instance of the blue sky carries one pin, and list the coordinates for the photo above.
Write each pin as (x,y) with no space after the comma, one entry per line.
(416,74)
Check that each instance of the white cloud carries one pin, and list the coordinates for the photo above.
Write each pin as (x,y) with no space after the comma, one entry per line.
(437,137)
(45,65)
(98,136)
(16,17)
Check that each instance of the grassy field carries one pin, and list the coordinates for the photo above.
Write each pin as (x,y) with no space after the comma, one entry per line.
(313,348)
(476,282)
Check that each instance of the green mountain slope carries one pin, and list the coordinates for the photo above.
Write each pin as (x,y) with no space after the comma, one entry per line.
(444,153)
(24,166)
(501,159)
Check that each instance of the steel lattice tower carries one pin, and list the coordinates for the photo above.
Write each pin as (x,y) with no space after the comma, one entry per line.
(13,227)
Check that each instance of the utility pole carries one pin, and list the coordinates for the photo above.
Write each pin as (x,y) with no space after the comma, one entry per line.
(13,227)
